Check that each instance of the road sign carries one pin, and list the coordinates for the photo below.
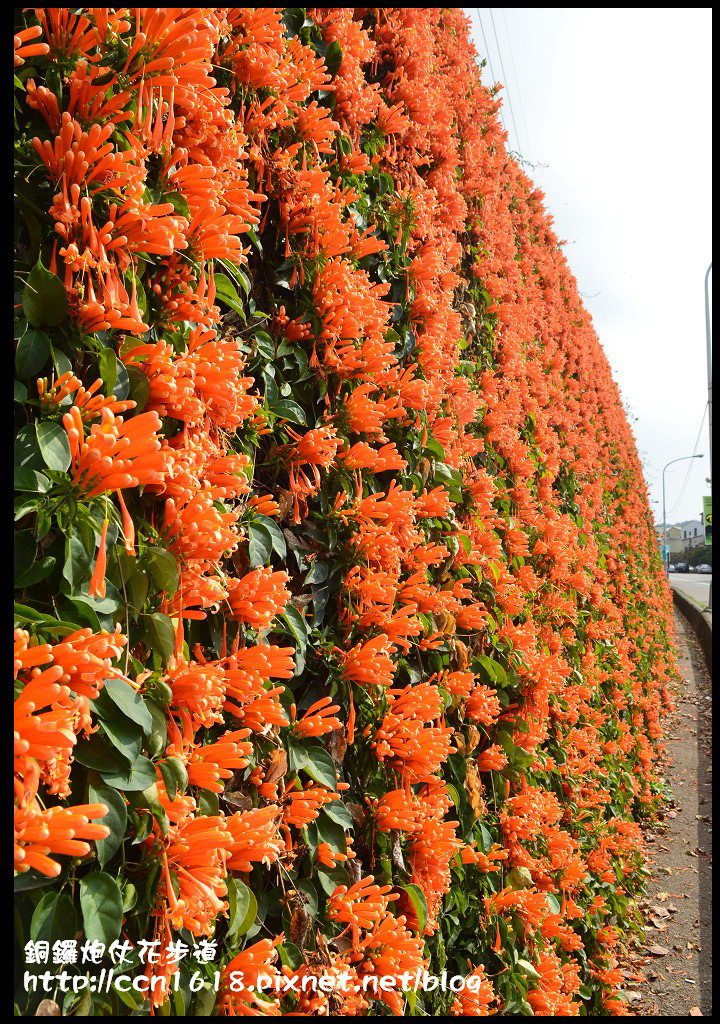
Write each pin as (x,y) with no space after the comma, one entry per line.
(707,518)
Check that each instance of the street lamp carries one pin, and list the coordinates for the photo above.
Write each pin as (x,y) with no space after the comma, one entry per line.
(684,458)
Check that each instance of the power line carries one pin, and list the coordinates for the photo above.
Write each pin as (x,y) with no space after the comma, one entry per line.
(690,464)
(517,82)
(505,77)
(487,51)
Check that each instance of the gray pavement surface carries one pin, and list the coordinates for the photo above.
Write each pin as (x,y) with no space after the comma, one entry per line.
(693,585)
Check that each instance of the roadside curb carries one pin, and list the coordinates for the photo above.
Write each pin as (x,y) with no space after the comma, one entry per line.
(700,622)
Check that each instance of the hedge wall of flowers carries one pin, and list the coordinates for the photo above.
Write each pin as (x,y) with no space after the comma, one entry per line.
(342,640)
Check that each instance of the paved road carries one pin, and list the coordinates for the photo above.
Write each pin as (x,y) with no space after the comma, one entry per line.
(695,586)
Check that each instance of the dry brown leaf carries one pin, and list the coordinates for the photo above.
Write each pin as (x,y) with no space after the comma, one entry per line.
(48,1008)
(461,654)
(276,766)
(474,789)
(299,924)
(337,745)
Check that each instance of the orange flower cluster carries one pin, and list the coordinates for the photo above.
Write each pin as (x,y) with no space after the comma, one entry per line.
(56,684)
(322,347)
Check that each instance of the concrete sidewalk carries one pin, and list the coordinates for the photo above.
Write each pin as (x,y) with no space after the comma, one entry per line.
(675,957)
(701,621)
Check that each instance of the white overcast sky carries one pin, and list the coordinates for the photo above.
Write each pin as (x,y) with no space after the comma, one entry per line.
(613,106)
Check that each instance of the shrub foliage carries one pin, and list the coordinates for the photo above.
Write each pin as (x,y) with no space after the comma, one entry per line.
(342,638)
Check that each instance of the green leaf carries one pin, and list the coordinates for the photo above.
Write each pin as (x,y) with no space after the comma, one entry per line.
(139,776)
(260,544)
(139,386)
(419,904)
(163,569)
(297,758)
(31,880)
(95,752)
(278,540)
(242,908)
(27,452)
(31,354)
(39,571)
(108,368)
(78,560)
(528,968)
(226,292)
(159,634)
(205,1000)
(265,345)
(293,19)
(25,549)
(338,812)
(54,446)
(297,626)
(333,57)
(520,878)
(174,775)
(101,904)
(290,411)
(44,298)
(130,703)
(61,363)
(179,202)
(157,740)
(115,819)
(320,766)
(30,481)
(53,919)
(318,572)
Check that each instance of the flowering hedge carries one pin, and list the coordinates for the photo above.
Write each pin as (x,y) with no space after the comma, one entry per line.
(341,637)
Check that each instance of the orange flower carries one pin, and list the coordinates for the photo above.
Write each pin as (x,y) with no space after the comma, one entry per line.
(362,905)
(255,838)
(493,759)
(214,761)
(318,719)
(397,809)
(196,851)
(239,992)
(25,48)
(258,597)
(115,454)
(482,705)
(303,805)
(199,689)
(97,581)
(369,663)
(42,834)
(477,998)
(412,747)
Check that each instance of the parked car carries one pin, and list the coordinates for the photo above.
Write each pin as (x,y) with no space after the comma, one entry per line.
(682,567)
(671,568)
(707,569)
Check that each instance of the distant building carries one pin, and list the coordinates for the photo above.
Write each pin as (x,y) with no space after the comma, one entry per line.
(681,536)
(693,532)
